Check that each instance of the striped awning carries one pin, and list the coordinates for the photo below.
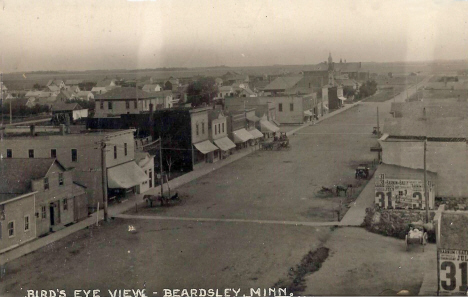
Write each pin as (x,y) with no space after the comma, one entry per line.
(255,133)
(205,147)
(267,126)
(241,136)
(224,143)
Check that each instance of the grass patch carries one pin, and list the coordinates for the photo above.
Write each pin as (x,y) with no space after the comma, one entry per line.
(295,282)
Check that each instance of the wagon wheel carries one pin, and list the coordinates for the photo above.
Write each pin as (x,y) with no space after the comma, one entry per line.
(407,243)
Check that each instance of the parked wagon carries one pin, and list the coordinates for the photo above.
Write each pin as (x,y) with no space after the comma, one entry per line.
(416,235)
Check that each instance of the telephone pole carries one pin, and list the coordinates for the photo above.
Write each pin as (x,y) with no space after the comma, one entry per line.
(426,196)
(104,180)
(160,166)
(378,123)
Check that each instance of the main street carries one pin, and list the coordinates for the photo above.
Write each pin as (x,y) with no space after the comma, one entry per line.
(237,248)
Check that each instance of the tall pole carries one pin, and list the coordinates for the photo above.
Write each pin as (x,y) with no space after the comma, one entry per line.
(1,93)
(426,196)
(11,114)
(104,180)
(378,123)
(160,166)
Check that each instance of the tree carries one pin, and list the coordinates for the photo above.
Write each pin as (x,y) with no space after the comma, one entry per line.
(202,91)
(169,165)
(367,89)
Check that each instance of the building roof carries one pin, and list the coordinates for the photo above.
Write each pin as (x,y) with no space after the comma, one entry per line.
(453,231)
(225,89)
(53,88)
(347,67)
(105,83)
(59,106)
(83,93)
(126,93)
(400,172)
(16,175)
(434,128)
(33,94)
(160,94)
(56,82)
(151,86)
(214,114)
(283,83)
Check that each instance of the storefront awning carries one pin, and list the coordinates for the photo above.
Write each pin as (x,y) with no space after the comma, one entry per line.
(266,126)
(125,176)
(276,122)
(224,143)
(241,136)
(308,113)
(252,118)
(205,147)
(342,98)
(255,133)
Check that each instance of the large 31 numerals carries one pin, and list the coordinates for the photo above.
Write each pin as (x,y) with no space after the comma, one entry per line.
(381,196)
(450,276)
(464,276)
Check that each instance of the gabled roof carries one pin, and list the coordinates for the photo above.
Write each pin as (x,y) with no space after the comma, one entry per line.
(53,88)
(33,94)
(160,94)
(126,93)
(225,89)
(59,106)
(83,93)
(105,82)
(16,175)
(347,67)
(214,114)
(67,94)
(283,83)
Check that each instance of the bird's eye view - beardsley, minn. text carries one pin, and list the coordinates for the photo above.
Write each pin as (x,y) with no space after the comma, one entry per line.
(182,148)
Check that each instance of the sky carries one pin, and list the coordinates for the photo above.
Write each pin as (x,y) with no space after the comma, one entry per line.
(119,34)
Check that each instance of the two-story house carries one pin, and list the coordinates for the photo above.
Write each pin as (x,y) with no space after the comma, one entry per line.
(126,100)
(83,151)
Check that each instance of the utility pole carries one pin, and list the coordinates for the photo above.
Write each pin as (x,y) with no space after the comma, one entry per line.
(104,180)
(1,93)
(161,181)
(426,196)
(378,123)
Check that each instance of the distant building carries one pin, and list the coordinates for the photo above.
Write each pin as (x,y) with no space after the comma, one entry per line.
(152,88)
(73,110)
(127,100)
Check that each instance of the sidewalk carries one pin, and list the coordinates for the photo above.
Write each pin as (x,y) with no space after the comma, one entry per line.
(129,203)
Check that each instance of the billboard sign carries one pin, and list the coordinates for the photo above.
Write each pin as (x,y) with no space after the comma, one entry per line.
(453,271)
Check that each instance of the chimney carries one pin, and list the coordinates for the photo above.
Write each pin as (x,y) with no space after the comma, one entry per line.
(32,129)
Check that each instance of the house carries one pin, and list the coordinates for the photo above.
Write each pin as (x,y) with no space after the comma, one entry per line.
(99,90)
(72,88)
(225,91)
(54,89)
(402,145)
(33,94)
(232,77)
(73,110)
(152,88)
(85,95)
(106,83)
(200,136)
(127,100)
(171,84)
(218,131)
(65,96)
(57,83)
(17,203)
(81,151)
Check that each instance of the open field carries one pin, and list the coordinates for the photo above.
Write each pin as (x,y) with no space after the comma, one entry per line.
(386,94)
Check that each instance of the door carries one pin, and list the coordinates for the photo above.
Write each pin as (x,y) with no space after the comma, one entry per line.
(52,214)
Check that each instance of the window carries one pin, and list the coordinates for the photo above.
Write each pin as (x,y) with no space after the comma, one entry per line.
(26,223)
(31,153)
(197,129)
(135,104)
(74,155)
(127,105)
(109,105)
(65,204)
(125,149)
(280,107)
(291,106)
(60,179)
(203,128)
(11,229)
(101,104)
(43,212)
(223,127)
(46,183)
(115,152)
(53,153)
(216,129)
(9,153)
